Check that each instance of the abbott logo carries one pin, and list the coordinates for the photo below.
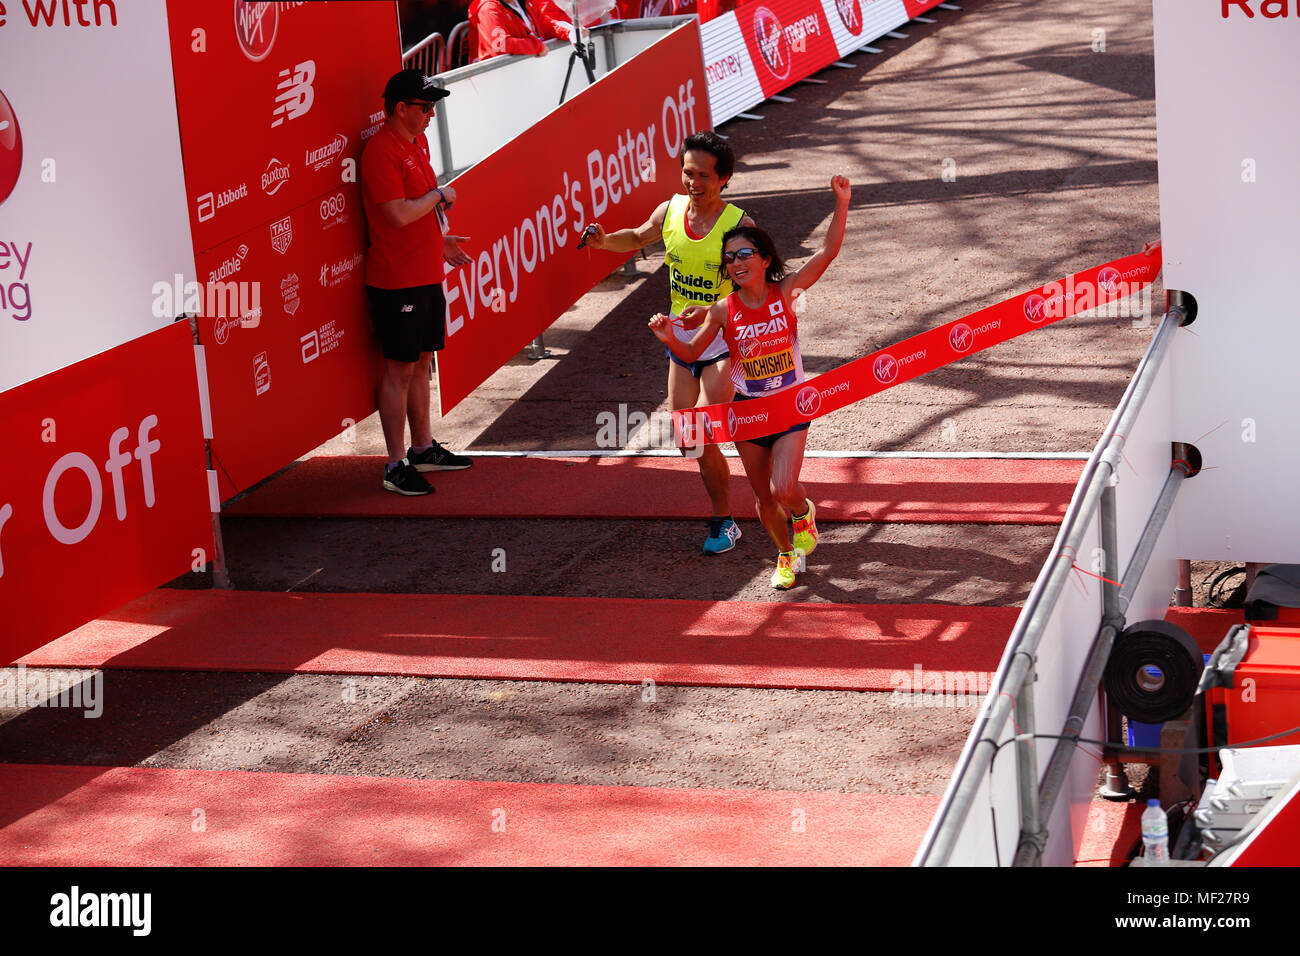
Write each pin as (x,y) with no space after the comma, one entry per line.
(255,26)
(310,346)
(961,337)
(885,369)
(11,148)
(296,94)
(808,401)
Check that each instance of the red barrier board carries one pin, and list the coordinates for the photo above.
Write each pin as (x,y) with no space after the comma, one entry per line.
(103,486)
(295,362)
(276,101)
(787,40)
(609,154)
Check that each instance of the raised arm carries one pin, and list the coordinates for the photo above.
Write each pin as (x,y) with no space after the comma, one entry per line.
(662,327)
(812,270)
(630,240)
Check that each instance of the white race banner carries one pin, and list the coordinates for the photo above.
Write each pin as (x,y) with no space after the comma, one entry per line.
(92,198)
(733,85)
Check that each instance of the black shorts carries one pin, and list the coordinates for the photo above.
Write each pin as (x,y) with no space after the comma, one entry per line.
(696,368)
(408,321)
(767,441)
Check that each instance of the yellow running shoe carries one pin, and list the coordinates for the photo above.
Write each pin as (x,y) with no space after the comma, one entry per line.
(787,562)
(805,529)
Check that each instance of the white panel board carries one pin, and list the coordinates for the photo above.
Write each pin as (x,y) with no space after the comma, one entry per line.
(855,23)
(733,85)
(1227,94)
(87,230)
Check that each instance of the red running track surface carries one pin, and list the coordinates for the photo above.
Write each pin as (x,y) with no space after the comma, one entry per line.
(133,816)
(926,490)
(613,640)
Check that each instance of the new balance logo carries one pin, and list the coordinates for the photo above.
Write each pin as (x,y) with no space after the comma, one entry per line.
(408,308)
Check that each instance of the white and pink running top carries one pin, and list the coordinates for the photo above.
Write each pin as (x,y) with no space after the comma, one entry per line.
(764,344)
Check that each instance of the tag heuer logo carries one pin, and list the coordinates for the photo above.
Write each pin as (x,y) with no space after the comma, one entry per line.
(282,234)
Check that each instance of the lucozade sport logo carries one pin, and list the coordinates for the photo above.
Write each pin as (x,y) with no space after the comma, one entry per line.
(255,26)
(11,148)
(772,44)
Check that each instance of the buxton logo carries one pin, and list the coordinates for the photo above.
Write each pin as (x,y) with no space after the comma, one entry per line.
(850,12)
(772,43)
(1035,308)
(960,337)
(885,369)
(808,401)
(321,157)
(11,148)
(276,175)
(255,26)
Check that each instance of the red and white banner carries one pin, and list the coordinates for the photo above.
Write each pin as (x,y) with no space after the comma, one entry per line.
(610,154)
(92,202)
(766,46)
(103,487)
(925,352)
(919,6)
(276,101)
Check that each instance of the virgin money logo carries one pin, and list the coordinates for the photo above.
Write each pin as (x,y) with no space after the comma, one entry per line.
(850,12)
(749,348)
(11,148)
(255,26)
(707,422)
(772,44)
(885,369)
(808,401)
(1108,280)
(960,337)
(1035,308)
(731,420)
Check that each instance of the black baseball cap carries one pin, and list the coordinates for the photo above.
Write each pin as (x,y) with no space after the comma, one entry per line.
(413,85)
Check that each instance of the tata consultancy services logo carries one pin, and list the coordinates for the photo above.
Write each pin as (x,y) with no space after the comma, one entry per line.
(961,337)
(886,369)
(808,401)
(255,26)
(772,44)
(850,12)
(11,148)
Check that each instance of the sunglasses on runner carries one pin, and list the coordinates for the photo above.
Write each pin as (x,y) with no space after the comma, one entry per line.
(426,107)
(741,254)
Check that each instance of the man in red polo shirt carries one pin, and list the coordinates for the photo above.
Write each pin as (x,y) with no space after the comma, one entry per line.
(405,217)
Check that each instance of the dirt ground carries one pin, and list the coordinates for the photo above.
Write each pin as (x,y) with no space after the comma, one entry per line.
(990,152)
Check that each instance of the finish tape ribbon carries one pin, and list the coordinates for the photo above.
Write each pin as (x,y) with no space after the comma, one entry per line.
(924,352)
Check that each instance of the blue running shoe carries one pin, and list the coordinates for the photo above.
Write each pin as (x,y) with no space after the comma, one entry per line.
(723,535)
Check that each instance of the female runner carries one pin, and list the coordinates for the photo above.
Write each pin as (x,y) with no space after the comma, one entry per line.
(762,334)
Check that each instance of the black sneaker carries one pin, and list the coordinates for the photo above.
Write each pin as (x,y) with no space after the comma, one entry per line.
(437,458)
(403,479)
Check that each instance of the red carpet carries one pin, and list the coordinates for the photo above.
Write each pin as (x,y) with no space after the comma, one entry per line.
(982,491)
(727,644)
(1110,833)
(131,816)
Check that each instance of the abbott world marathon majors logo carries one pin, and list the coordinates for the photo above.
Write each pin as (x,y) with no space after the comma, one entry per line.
(255,28)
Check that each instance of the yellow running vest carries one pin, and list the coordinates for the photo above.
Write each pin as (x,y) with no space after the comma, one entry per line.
(694,265)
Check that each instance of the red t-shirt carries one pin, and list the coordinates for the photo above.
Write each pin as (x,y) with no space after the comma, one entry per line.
(764,344)
(410,255)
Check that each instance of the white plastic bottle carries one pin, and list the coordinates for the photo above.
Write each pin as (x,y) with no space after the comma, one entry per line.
(1155,834)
